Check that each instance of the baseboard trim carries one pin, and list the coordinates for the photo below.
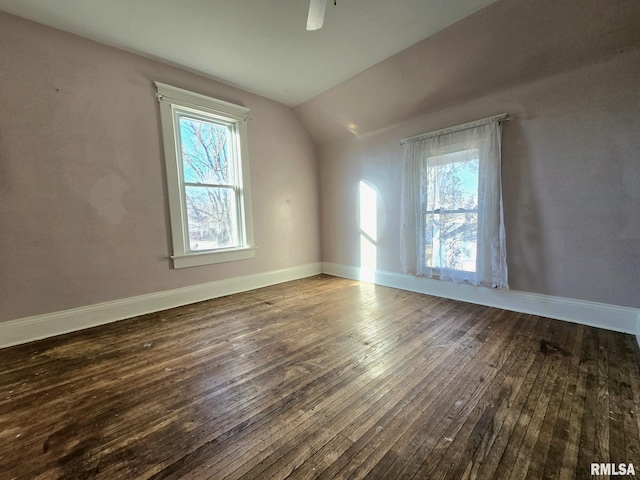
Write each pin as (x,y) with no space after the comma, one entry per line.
(600,315)
(23,330)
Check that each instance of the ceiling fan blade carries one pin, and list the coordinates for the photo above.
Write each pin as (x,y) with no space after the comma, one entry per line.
(316,14)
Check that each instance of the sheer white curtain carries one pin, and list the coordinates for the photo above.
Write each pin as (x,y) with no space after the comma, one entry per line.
(452,214)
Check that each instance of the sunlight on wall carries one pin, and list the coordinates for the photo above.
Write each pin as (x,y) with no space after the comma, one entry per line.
(368,231)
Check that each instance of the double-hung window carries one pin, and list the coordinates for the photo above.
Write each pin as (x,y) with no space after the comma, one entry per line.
(208,177)
(449,203)
(452,210)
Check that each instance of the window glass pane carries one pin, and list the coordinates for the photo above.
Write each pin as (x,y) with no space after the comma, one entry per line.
(452,181)
(451,210)
(451,241)
(206,152)
(211,218)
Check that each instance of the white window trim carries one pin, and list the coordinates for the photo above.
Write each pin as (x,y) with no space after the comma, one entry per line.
(171,100)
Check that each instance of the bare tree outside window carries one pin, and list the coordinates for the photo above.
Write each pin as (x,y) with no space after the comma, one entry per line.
(209,178)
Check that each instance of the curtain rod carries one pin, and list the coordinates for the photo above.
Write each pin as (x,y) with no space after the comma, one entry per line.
(503,117)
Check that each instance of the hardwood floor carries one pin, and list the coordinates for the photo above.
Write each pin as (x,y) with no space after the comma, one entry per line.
(322,378)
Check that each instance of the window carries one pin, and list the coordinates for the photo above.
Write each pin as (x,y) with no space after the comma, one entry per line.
(208,178)
(452,205)
(450,210)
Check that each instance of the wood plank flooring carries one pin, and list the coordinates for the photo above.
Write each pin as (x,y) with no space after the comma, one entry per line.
(321,378)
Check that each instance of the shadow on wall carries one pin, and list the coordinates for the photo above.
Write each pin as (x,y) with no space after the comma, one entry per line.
(525,233)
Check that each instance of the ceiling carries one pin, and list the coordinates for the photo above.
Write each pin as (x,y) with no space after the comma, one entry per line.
(258,45)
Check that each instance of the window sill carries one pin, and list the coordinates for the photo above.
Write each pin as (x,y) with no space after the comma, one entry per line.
(208,258)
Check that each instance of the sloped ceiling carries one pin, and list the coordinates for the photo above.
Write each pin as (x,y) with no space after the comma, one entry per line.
(258,45)
(509,43)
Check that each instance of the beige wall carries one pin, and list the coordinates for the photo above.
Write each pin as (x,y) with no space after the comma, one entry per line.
(568,73)
(83,201)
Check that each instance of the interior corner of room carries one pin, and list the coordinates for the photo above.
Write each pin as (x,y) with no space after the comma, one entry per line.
(94,221)
(85,212)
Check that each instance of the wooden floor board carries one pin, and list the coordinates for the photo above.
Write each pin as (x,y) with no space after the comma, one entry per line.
(328,394)
(482,417)
(489,449)
(439,374)
(556,436)
(515,459)
(480,411)
(321,378)
(503,455)
(628,375)
(430,443)
(533,435)
(499,443)
(366,417)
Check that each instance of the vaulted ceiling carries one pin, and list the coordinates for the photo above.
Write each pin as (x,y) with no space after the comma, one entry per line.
(259,45)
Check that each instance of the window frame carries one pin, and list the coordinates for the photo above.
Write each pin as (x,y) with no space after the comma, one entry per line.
(174,103)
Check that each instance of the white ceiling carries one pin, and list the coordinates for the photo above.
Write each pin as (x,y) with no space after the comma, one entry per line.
(258,45)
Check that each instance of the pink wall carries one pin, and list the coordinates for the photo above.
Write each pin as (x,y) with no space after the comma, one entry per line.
(83,208)
(83,202)
(568,73)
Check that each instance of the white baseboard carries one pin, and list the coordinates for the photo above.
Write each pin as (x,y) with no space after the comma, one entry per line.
(610,317)
(601,315)
(25,330)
